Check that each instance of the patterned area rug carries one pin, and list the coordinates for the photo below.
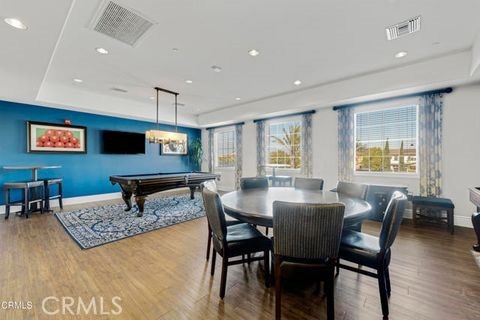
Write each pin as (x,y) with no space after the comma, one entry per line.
(91,227)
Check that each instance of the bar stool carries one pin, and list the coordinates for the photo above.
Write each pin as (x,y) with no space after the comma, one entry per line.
(48,183)
(30,195)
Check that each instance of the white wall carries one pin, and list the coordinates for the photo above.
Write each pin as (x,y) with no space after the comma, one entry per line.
(461,149)
(461,153)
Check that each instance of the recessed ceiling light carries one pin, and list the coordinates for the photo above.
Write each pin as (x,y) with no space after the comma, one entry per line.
(188,81)
(253,52)
(216,68)
(101,50)
(297,82)
(78,80)
(15,23)
(238,99)
(400,54)
(175,49)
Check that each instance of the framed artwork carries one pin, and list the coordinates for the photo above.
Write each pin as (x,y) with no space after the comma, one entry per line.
(50,137)
(174,148)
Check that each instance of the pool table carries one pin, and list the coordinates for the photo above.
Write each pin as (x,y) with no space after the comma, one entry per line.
(142,185)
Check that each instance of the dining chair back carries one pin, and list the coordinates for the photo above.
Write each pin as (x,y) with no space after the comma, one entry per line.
(215,215)
(392,220)
(307,234)
(254,183)
(351,189)
(210,185)
(307,231)
(308,184)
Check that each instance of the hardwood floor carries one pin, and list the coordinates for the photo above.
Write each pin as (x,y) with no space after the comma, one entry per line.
(163,275)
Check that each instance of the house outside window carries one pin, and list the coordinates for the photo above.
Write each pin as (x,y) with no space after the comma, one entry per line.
(284,141)
(225,149)
(386,140)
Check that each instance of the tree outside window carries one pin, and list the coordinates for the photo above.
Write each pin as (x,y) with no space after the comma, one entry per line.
(284,143)
(386,140)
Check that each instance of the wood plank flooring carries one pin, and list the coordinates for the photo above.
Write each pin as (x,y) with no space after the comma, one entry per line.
(163,275)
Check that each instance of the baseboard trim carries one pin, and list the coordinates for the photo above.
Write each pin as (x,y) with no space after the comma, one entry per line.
(463,221)
(79,200)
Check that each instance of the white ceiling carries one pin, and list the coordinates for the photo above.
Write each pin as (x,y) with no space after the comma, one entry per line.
(318,42)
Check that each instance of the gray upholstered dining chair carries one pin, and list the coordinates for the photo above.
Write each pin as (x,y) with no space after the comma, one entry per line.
(233,241)
(308,183)
(353,190)
(307,234)
(374,252)
(212,186)
(254,183)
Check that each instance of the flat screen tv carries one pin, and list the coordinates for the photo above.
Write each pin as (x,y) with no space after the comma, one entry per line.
(119,142)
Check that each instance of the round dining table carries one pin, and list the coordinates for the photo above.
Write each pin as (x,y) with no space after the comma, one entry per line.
(255,206)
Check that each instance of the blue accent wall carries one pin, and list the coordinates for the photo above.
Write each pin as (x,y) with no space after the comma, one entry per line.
(83,174)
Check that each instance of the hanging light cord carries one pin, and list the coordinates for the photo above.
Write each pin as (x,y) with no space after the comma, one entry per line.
(176,95)
(158,125)
(176,128)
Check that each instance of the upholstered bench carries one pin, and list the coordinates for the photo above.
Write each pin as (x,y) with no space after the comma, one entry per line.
(433,209)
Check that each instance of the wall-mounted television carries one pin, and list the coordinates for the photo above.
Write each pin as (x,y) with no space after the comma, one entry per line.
(119,142)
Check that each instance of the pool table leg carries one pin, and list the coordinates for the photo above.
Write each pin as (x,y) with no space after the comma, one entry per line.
(140,200)
(126,196)
(192,192)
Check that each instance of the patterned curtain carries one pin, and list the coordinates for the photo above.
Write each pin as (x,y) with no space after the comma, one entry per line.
(211,156)
(238,158)
(346,144)
(430,116)
(261,159)
(307,154)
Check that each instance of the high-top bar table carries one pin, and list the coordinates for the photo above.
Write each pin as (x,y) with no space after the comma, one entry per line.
(255,206)
(33,168)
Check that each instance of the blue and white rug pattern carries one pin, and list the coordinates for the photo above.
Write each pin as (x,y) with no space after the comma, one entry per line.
(91,227)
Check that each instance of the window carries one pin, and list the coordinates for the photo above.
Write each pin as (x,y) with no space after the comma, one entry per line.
(225,151)
(386,140)
(283,145)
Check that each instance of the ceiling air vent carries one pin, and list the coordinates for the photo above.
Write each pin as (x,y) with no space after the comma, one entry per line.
(403,28)
(120,23)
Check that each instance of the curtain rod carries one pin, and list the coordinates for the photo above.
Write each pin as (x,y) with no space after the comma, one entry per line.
(444,90)
(285,116)
(226,125)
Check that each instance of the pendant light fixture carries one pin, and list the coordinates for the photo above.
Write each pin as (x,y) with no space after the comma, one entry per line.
(177,141)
